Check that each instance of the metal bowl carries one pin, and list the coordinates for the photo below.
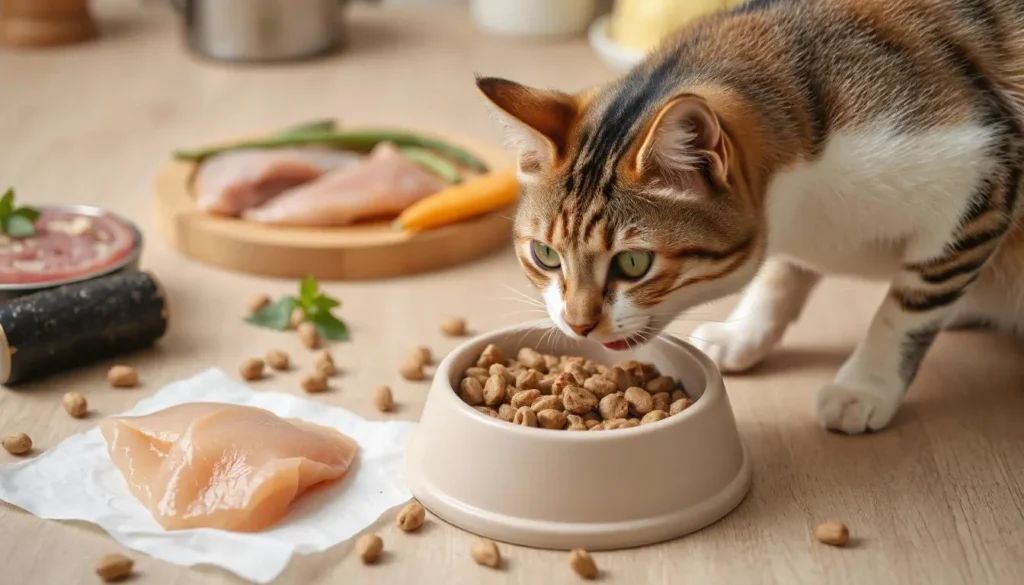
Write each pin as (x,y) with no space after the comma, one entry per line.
(128,263)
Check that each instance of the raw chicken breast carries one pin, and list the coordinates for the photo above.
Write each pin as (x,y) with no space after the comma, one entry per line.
(211,465)
(230,183)
(382,185)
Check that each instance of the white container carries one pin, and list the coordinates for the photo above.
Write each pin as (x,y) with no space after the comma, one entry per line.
(563,489)
(534,18)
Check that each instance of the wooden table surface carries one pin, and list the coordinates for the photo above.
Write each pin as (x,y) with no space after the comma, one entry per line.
(937,498)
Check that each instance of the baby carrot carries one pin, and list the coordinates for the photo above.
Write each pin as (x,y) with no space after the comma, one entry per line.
(471,198)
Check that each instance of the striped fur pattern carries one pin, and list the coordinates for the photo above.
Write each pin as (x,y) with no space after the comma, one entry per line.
(762,148)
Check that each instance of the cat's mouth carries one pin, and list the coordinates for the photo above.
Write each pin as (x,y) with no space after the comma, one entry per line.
(625,343)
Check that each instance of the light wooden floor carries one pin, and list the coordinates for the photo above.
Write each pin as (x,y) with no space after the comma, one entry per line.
(937,498)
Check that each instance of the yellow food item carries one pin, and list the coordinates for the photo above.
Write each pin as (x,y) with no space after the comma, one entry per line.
(642,24)
(466,200)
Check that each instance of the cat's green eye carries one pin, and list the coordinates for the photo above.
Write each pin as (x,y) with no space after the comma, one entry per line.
(632,265)
(545,256)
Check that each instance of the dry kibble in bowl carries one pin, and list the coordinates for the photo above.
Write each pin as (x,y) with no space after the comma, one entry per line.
(569,392)
(75,404)
(412,517)
(123,377)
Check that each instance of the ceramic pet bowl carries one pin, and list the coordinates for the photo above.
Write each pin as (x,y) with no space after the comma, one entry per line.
(567,489)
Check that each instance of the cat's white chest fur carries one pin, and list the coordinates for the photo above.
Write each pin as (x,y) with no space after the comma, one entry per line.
(872,191)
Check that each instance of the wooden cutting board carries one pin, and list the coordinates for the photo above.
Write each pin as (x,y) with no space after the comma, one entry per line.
(360,252)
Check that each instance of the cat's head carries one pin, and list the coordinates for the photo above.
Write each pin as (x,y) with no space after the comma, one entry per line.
(633,209)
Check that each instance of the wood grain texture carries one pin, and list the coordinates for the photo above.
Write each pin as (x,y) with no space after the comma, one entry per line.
(936,498)
(369,250)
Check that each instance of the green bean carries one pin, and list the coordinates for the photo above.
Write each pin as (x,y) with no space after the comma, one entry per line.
(363,140)
(325,125)
(433,163)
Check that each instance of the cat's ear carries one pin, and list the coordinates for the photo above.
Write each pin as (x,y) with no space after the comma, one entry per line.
(537,121)
(685,136)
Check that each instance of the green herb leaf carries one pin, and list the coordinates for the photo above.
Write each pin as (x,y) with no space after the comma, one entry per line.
(18,226)
(324,304)
(308,291)
(28,213)
(275,315)
(16,222)
(330,327)
(7,203)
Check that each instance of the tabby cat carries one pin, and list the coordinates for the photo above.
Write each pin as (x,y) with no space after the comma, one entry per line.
(770,145)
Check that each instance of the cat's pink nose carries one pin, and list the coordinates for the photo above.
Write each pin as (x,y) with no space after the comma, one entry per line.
(582,329)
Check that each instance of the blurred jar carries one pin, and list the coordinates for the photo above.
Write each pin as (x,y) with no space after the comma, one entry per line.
(534,18)
(642,24)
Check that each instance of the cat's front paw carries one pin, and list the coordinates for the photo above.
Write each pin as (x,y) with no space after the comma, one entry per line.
(734,347)
(853,409)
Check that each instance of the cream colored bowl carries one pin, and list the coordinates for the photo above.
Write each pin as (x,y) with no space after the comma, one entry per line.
(567,489)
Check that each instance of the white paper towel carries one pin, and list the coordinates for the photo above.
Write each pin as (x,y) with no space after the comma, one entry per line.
(77,481)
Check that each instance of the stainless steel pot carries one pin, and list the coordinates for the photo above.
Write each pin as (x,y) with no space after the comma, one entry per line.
(263,30)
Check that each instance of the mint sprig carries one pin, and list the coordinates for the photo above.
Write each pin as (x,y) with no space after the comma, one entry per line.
(17,222)
(315,305)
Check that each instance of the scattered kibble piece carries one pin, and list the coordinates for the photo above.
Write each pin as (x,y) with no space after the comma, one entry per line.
(640,401)
(383,399)
(412,371)
(494,390)
(17,444)
(114,567)
(551,419)
(679,406)
(75,404)
(454,327)
(832,533)
(411,517)
(471,391)
(297,318)
(485,552)
(489,356)
(314,383)
(325,364)
(258,303)
(369,547)
(525,416)
(308,335)
(582,563)
(251,369)
(123,377)
(654,416)
(661,384)
(278,360)
(569,392)
(423,355)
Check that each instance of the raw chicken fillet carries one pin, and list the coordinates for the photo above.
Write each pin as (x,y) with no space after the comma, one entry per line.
(384,184)
(230,183)
(212,465)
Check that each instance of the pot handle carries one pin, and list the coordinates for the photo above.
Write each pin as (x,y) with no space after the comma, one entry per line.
(179,5)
